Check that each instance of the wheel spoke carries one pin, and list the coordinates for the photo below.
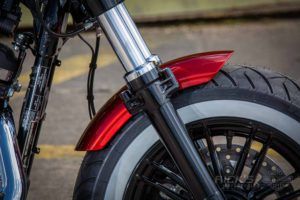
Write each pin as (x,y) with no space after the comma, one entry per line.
(200,144)
(292,195)
(157,177)
(213,153)
(258,163)
(175,177)
(162,188)
(229,137)
(200,147)
(244,154)
(267,190)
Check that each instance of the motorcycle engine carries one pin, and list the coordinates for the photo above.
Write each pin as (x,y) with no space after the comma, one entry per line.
(10,14)
(8,69)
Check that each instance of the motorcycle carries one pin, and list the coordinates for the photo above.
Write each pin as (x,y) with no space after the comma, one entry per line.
(191,128)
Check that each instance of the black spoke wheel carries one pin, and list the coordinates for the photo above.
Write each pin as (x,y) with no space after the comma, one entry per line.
(247,159)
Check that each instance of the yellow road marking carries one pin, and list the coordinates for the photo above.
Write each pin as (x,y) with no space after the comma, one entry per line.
(67,151)
(59,151)
(71,68)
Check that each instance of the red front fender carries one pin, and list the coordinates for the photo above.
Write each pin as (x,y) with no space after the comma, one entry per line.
(190,71)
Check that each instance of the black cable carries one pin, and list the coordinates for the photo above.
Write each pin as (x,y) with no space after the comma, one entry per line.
(87,43)
(64,35)
(93,68)
(91,74)
(93,64)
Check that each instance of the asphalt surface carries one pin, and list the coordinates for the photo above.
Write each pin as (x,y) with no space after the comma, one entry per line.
(268,43)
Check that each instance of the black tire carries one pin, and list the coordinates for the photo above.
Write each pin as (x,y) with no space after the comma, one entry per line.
(241,83)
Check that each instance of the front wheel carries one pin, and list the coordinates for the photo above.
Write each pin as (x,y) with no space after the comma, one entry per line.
(245,125)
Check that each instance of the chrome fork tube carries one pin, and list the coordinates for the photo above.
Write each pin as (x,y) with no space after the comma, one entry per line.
(127,42)
(134,31)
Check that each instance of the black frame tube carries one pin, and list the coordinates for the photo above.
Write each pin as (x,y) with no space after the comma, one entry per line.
(33,109)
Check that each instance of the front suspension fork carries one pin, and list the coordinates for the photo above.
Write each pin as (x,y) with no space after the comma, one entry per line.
(149,90)
(153,97)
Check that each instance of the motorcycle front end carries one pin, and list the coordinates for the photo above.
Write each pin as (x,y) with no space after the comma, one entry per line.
(158,113)
(181,130)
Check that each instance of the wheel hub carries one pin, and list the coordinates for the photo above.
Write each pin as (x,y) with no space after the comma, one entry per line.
(259,176)
(269,173)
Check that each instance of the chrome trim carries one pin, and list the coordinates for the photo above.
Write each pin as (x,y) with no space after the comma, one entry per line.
(139,72)
(127,42)
(154,59)
(11,168)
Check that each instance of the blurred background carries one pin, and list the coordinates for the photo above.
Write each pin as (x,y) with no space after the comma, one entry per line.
(264,33)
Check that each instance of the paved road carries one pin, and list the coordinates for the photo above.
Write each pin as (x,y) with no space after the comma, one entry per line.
(272,44)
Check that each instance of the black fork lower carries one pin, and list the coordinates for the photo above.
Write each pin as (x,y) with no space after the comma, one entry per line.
(151,93)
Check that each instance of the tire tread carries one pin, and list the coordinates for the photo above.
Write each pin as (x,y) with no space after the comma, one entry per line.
(260,80)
